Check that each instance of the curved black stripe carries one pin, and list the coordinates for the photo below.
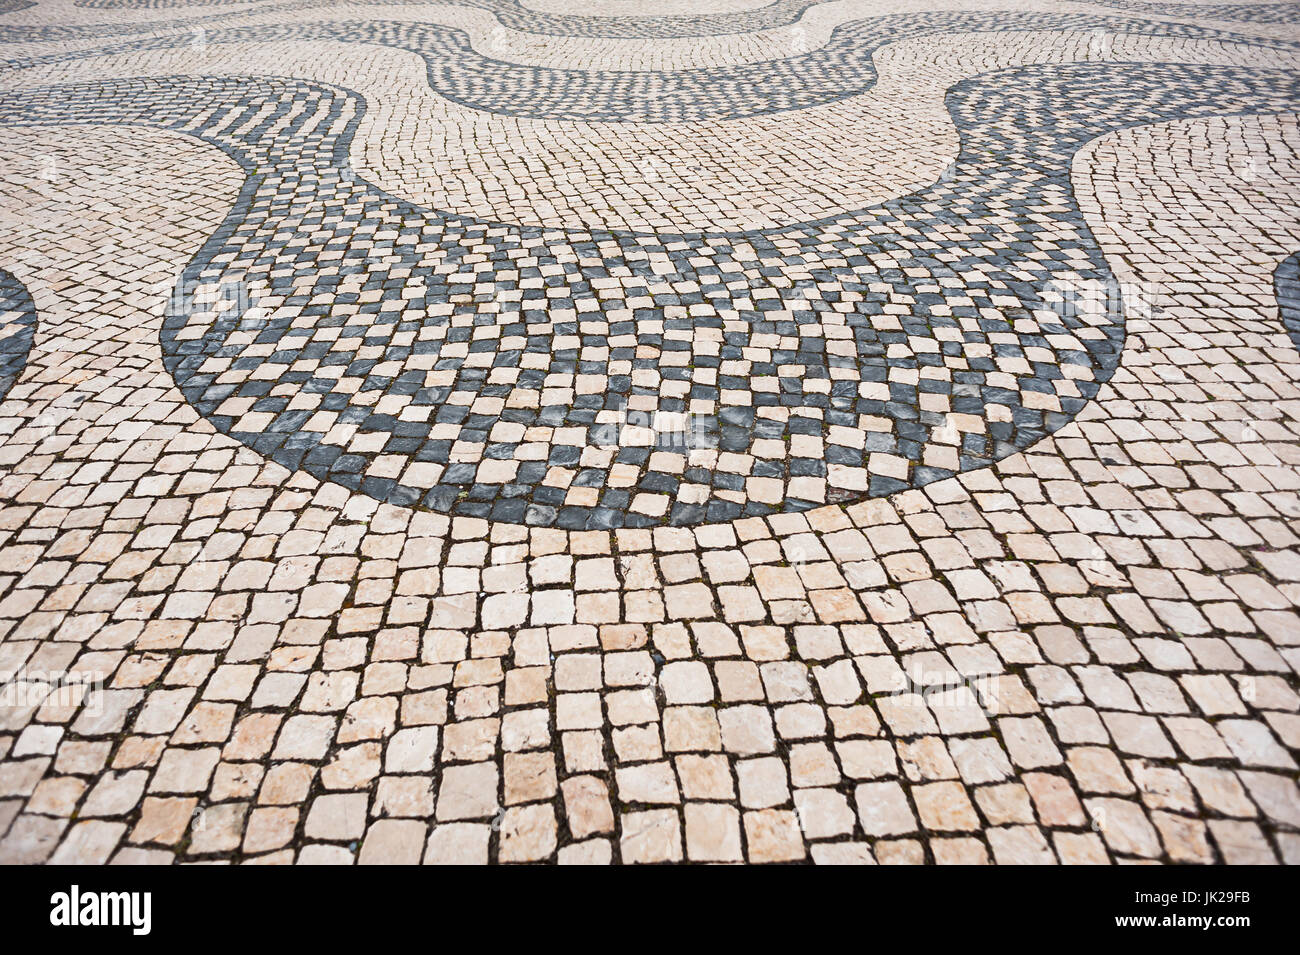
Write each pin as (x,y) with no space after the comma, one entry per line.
(17,330)
(370,307)
(842,68)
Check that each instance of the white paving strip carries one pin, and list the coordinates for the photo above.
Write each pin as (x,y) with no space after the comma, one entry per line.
(640,8)
(1194,216)
(494,40)
(155,197)
(1205,242)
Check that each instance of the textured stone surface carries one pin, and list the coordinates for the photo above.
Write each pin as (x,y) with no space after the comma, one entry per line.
(537,431)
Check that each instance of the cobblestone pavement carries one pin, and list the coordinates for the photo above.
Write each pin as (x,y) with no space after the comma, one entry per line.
(718,431)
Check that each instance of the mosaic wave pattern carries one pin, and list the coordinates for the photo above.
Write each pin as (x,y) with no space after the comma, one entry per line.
(395,403)
(509,13)
(764,16)
(951,515)
(838,70)
(513,15)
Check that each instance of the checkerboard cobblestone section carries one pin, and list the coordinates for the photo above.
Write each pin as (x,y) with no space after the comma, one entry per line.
(17,326)
(1287,285)
(337,522)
